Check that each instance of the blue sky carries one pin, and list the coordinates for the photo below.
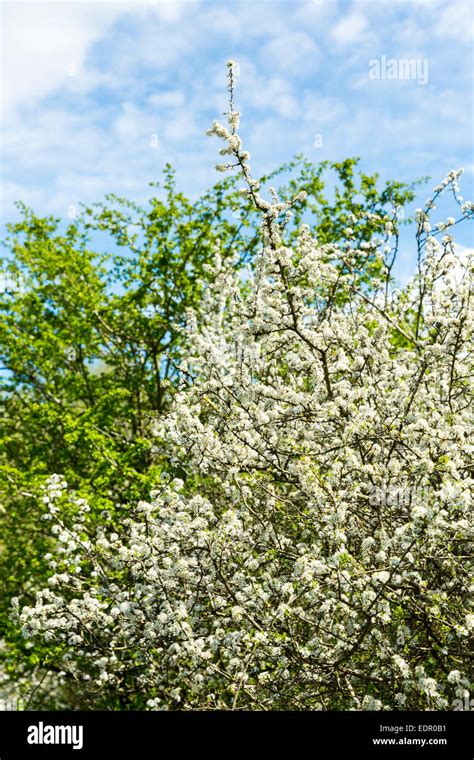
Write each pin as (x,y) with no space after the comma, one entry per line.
(90,88)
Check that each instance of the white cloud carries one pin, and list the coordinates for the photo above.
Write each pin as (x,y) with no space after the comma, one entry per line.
(225,21)
(170,11)
(322,110)
(167,99)
(292,52)
(351,29)
(41,40)
(454,20)
(276,96)
(44,41)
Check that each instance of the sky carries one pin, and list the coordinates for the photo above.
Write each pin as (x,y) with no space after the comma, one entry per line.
(97,96)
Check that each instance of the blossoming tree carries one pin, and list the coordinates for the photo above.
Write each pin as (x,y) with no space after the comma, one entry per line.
(314,551)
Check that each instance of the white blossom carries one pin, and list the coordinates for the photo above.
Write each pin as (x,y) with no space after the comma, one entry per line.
(325,502)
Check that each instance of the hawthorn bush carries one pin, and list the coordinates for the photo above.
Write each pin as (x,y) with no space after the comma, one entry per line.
(306,544)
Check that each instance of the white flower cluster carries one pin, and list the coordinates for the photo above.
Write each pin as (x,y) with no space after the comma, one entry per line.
(267,577)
